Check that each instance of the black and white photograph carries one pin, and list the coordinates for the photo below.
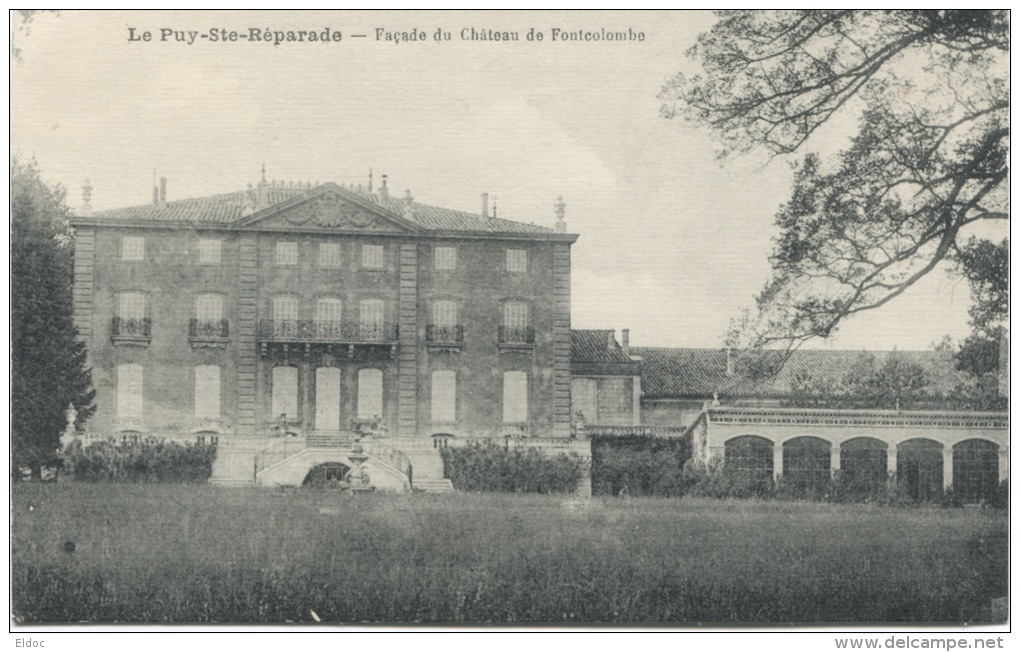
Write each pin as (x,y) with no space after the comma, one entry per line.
(510,321)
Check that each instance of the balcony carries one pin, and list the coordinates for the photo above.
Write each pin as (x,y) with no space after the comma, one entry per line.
(212,333)
(444,336)
(131,331)
(516,337)
(307,332)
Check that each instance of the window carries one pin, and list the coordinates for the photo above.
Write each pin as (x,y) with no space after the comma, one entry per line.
(372,256)
(131,306)
(446,258)
(209,307)
(748,459)
(444,396)
(444,313)
(327,318)
(516,260)
(372,324)
(207,392)
(515,314)
(129,391)
(285,317)
(515,397)
(975,470)
(209,251)
(329,255)
(285,389)
(806,463)
(132,248)
(370,393)
(286,253)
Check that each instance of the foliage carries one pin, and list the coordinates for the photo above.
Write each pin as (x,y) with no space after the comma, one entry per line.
(138,459)
(638,465)
(200,553)
(511,469)
(48,370)
(895,383)
(929,92)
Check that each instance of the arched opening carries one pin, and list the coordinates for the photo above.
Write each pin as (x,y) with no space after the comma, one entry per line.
(748,459)
(919,468)
(806,463)
(327,474)
(863,464)
(975,470)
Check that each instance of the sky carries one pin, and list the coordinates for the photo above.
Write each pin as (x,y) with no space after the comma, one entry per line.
(672,245)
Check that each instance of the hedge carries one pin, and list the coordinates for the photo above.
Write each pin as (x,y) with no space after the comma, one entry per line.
(638,465)
(138,459)
(526,470)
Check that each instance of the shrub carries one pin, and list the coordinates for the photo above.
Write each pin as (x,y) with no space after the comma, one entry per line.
(138,459)
(639,465)
(493,468)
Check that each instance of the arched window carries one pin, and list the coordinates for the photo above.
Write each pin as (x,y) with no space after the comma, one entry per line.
(372,320)
(806,463)
(129,391)
(748,458)
(863,463)
(285,317)
(328,312)
(285,392)
(444,396)
(327,398)
(207,392)
(919,468)
(975,470)
(370,393)
(515,397)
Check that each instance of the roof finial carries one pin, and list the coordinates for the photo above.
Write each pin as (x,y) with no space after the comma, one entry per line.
(86,193)
(494,206)
(561,209)
(370,179)
(263,173)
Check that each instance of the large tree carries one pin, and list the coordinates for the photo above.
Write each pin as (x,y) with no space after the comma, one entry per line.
(919,102)
(48,371)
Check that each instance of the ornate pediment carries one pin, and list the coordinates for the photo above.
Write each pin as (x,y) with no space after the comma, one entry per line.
(330,207)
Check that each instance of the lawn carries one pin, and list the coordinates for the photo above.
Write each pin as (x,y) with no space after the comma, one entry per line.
(157,553)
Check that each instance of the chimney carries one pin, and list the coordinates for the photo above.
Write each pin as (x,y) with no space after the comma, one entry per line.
(729,362)
(86,193)
(384,192)
(561,209)
(626,342)
(485,204)
(369,179)
(162,192)
(611,340)
(408,205)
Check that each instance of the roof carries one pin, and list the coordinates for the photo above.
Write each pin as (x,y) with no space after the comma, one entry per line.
(593,346)
(228,208)
(670,372)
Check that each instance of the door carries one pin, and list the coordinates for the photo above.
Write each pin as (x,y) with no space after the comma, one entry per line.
(327,398)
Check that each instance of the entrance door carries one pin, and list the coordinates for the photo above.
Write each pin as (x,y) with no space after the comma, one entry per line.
(327,398)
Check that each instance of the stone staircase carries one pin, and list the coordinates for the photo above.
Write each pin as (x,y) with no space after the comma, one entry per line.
(426,462)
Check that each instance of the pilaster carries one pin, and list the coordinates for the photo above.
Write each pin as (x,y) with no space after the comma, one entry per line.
(84,267)
(247,310)
(561,340)
(407,357)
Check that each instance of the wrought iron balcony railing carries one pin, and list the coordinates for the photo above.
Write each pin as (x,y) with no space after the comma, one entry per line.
(444,333)
(299,330)
(209,328)
(517,335)
(139,328)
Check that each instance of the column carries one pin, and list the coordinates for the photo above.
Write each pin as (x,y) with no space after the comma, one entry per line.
(890,463)
(84,265)
(561,340)
(407,356)
(947,467)
(246,323)
(834,459)
(1003,463)
(777,460)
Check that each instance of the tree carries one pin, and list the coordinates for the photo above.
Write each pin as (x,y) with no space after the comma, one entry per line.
(48,371)
(928,159)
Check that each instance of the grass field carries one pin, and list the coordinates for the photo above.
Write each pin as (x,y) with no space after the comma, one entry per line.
(209,554)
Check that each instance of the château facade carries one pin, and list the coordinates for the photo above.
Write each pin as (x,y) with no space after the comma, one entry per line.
(288,308)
